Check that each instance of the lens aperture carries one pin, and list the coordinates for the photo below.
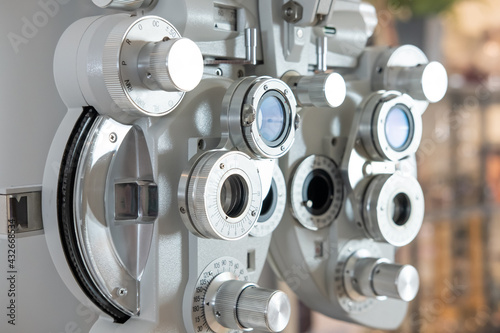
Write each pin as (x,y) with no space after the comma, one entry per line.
(402,209)
(318,192)
(234,196)
(398,128)
(271,118)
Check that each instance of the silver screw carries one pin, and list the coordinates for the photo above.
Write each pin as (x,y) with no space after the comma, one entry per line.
(297,122)
(266,87)
(113,137)
(218,72)
(254,213)
(222,166)
(249,115)
(183,210)
(282,148)
(121,292)
(300,33)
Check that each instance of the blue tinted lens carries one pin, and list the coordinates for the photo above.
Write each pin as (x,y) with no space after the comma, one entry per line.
(397,128)
(271,118)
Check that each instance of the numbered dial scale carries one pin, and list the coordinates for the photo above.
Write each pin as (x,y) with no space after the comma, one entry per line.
(343,290)
(220,270)
(316,192)
(148,66)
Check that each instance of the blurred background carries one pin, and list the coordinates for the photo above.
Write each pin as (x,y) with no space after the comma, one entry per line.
(458,250)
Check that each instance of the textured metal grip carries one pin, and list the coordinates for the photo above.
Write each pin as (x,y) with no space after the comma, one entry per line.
(263,309)
(425,82)
(226,302)
(245,306)
(322,90)
(396,281)
(377,277)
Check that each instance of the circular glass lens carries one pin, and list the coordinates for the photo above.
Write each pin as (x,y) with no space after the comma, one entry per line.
(398,128)
(317,192)
(401,209)
(234,196)
(271,118)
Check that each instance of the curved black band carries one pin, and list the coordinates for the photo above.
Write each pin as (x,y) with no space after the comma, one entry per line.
(65,215)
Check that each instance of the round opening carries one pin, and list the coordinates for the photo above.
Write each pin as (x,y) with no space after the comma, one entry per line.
(401,209)
(317,192)
(399,127)
(272,118)
(269,203)
(234,196)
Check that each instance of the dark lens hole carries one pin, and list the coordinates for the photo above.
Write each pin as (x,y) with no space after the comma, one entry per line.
(318,192)
(234,196)
(402,209)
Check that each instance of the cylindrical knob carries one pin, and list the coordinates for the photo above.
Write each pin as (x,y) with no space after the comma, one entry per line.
(322,90)
(122,4)
(425,82)
(176,64)
(377,277)
(263,309)
(239,305)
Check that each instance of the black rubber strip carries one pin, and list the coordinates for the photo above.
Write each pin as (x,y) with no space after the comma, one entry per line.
(67,227)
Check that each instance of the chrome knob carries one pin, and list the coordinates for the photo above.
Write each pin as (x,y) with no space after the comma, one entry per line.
(243,306)
(122,4)
(379,278)
(424,82)
(322,90)
(173,65)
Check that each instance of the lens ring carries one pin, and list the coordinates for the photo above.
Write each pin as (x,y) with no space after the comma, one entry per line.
(221,196)
(393,209)
(310,209)
(273,206)
(243,102)
(379,116)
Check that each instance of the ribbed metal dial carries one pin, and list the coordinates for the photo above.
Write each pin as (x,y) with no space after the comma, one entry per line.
(223,196)
(241,305)
(380,278)
(131,48)
(322,90)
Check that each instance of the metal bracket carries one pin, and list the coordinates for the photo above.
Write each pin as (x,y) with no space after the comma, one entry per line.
(20,210)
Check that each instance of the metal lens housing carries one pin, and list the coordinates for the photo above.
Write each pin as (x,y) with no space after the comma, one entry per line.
(316,192)
(393,209)
(221,196)
(261,116)
(273,206)
(391,129)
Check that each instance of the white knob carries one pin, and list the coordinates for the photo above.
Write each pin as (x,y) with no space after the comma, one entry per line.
(240,305)
(425,82)
(176,64)
(121,4)
(323,90)
(376,277)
